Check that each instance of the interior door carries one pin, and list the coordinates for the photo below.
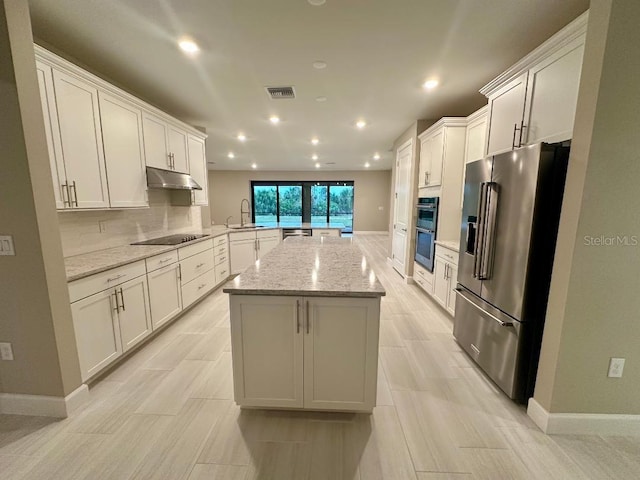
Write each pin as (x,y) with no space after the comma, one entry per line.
(476,174)
(401,213)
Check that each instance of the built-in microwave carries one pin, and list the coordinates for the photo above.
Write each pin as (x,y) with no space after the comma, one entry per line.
(426,223)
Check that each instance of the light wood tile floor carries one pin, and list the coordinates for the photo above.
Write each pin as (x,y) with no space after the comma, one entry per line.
(167,413)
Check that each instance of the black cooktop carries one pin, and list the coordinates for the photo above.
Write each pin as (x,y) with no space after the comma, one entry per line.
(172,239)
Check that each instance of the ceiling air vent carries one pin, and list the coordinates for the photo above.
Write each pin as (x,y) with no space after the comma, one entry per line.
(280,93)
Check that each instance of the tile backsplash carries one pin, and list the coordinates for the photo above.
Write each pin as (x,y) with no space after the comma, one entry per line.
(81,231)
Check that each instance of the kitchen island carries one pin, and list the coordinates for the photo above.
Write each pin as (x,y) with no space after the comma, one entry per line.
(304,328)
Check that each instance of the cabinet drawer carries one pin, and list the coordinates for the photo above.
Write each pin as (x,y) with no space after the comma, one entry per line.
(422,274)
(196,288)
(269,233)
(101,281)
(186,252)
(222,272)
(447,254)
(222,258)
(220,240)
(326,233)
(162,260)
(196,265)
(220,250)
(236,236)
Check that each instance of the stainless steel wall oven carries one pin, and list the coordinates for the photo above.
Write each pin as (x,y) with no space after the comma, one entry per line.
(427,220)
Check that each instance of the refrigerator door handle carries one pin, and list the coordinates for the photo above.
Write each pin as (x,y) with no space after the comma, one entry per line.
(479,244)
(486,262)
(502,323)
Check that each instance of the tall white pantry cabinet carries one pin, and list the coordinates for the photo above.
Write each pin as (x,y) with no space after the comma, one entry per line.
(100,139)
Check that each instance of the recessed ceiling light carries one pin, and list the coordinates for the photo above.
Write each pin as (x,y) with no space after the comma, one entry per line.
(242,137)
(429,84)
(317,3)
(321,98)
(317,165)
(315,140)
(187,45)
(376,156)
(231,155)
(319,65)
(274,119)
(367,165)
(314,157)
(361,124)
(254,166)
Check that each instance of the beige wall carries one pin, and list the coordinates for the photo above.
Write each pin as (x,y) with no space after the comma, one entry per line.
(81,231)
(594,302)
(371,191)
(35,312)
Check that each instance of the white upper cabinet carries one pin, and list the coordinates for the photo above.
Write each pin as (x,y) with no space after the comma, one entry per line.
(507,108)
(535,100)
(198,169)
(177,141)
(52,132)
(165,144)
(123,151)
(81,138)
(431,158)
(100,139)
(155,142)
(552,95)
(476,135)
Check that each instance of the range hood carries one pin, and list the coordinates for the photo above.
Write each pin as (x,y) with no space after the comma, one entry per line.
(169,180)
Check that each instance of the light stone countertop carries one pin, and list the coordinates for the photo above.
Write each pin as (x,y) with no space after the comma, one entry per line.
(310,266)
(450,244)
(86,264)
(90,263)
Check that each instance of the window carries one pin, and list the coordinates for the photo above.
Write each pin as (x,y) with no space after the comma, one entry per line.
(297,202)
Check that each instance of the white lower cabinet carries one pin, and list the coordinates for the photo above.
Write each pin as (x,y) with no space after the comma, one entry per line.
(165,295)
(197,287)
(95,321)
(316,353)
(247,247)
(445,274)
(109,323)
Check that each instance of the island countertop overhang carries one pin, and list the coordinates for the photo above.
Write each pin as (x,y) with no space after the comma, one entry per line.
(310,266)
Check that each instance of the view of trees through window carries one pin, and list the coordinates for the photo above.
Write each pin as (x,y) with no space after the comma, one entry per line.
(296,202)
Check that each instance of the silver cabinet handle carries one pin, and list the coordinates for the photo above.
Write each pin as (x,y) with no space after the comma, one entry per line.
(117,277)
(200,265)
(65,187)
(115,298)
(425,178)
(513,142)
(427,175)
(258,244)
(522,127)
(223,258)
(297,316)
(493,317)
(307,315)
(179,271)
(121,299)
(202,286)
(165,260)
(75,193)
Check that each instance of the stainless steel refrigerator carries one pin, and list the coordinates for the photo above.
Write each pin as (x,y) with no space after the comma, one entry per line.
(510,218)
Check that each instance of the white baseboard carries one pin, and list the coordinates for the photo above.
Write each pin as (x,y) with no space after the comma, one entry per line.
(582,423)
(43,405)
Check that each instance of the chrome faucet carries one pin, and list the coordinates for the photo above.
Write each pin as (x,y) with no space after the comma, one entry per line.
(226,223)
(243,211)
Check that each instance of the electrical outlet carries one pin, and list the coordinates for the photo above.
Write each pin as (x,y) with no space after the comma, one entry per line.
(616,365)
(6,352)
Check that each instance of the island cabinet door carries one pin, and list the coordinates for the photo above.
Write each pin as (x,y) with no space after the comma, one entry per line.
(267,342)
(341,353)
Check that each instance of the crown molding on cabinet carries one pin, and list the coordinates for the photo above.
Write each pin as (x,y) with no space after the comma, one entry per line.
(569,33)
(444,122)
(60,63)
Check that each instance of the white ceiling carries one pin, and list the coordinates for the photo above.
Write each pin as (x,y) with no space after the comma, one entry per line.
(378,52)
